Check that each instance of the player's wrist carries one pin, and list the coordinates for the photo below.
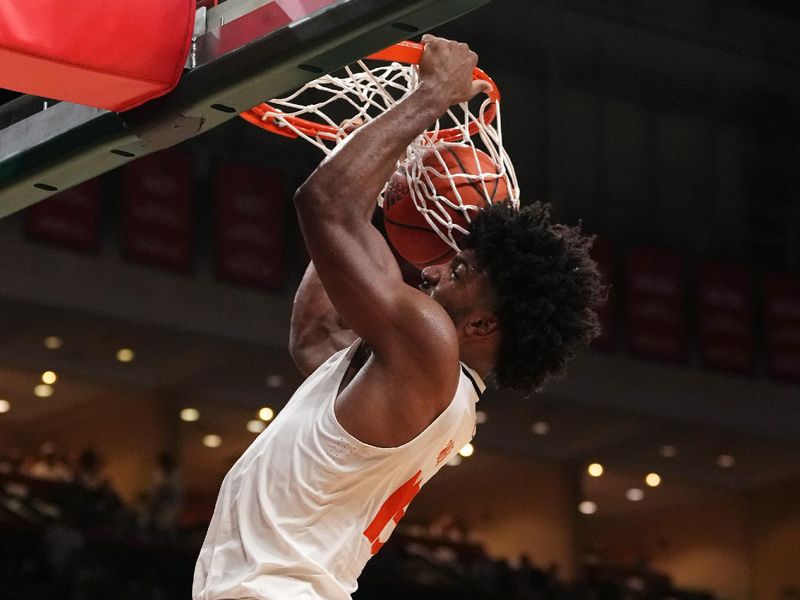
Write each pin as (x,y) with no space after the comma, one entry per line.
(434,102)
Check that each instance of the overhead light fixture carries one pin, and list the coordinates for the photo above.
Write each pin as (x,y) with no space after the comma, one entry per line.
(256,426)
(668,451)
(43,390)
(5,406)
(212,441)
(53,342)
(481,417)
(190,414)
(634,495)
(266,414)
(49,377)
(587,507)
(653,479)
(467,450)
(455,460)
(125,355)
(540,428)
(726,461)
(275,380)
(595,469)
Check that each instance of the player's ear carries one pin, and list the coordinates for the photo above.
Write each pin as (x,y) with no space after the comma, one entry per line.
(483,324)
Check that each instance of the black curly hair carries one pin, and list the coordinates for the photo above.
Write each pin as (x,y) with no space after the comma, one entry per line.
(547,289)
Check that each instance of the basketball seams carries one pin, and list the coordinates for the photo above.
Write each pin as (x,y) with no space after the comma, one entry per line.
(409,225)
(469,182)
(451,197)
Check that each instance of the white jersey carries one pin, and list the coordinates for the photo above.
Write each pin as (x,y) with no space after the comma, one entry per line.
(305,507)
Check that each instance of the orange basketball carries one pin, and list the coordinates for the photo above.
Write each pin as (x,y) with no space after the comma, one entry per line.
(407,228)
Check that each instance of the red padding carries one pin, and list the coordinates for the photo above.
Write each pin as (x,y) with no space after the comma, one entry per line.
(112,54)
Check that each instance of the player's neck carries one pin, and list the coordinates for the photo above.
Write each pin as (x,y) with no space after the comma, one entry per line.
(480,360)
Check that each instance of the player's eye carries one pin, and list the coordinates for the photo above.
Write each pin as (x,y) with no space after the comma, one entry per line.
(455,269)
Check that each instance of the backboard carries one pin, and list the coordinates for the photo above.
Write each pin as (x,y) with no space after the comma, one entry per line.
(244,52)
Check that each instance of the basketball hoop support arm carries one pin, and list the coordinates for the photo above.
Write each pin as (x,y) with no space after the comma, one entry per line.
(241,59)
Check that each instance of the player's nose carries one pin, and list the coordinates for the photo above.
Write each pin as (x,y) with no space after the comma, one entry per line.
(430,275)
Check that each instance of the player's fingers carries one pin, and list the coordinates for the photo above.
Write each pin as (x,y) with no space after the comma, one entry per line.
(480,86)
(351,126)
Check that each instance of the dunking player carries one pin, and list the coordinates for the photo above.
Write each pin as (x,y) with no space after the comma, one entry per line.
(392,395)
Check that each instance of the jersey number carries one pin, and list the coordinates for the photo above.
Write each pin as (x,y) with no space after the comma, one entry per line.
(392,510)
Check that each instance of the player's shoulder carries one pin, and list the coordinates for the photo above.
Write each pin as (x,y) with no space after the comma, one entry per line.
(424,338)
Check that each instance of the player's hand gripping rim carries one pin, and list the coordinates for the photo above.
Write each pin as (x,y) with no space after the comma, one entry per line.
(447,66)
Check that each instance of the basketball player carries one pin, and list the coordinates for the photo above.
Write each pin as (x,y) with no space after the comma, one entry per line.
(390,395)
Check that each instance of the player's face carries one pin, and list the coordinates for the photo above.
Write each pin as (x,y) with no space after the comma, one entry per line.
(459,286)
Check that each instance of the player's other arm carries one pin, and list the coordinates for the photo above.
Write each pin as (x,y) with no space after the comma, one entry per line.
(317,331)
(335,206)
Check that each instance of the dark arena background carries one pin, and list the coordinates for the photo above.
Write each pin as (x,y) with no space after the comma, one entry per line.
(144,324)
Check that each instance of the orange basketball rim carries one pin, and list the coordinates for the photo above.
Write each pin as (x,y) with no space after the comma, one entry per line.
(271,119)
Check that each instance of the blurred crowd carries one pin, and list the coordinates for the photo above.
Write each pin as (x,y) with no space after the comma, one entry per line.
(444,560)
(65,534)
(80,490)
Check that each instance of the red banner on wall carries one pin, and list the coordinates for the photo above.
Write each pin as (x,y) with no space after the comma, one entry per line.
(70,219)
(249,225)
(603,254)
(726,316)
(158,210)
(782,325)
(655,289)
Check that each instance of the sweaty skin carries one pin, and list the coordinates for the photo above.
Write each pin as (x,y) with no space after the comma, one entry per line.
(416,338)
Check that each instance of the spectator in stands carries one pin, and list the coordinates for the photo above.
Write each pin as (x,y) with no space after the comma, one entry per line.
(63,544)
(166,495)
(101,503)
(49,465)
(11,462)
(447,527)
(89,474)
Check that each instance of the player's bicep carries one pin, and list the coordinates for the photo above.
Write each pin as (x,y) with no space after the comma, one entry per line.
(358,271)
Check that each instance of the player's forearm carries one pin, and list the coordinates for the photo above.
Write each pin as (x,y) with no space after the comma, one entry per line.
(347,183)
(316,330)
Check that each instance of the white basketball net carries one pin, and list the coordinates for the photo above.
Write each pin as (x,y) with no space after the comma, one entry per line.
(360,93)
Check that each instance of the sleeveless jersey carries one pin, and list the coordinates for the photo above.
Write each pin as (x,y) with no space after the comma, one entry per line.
(305,507)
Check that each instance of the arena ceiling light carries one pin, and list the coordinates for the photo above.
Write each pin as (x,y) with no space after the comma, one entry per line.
(726,461)
(256,426)
(212,441)
(190,414)
(595,469)
(653,479)
(668,451)
(275,381)
(43,390)
(53,342)
(125,355)
(634,495)
(541,428)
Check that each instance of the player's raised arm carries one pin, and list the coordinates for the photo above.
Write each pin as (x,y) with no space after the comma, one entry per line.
(336,203)
(317,331)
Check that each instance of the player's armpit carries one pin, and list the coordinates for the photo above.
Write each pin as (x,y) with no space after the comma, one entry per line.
(317,331)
